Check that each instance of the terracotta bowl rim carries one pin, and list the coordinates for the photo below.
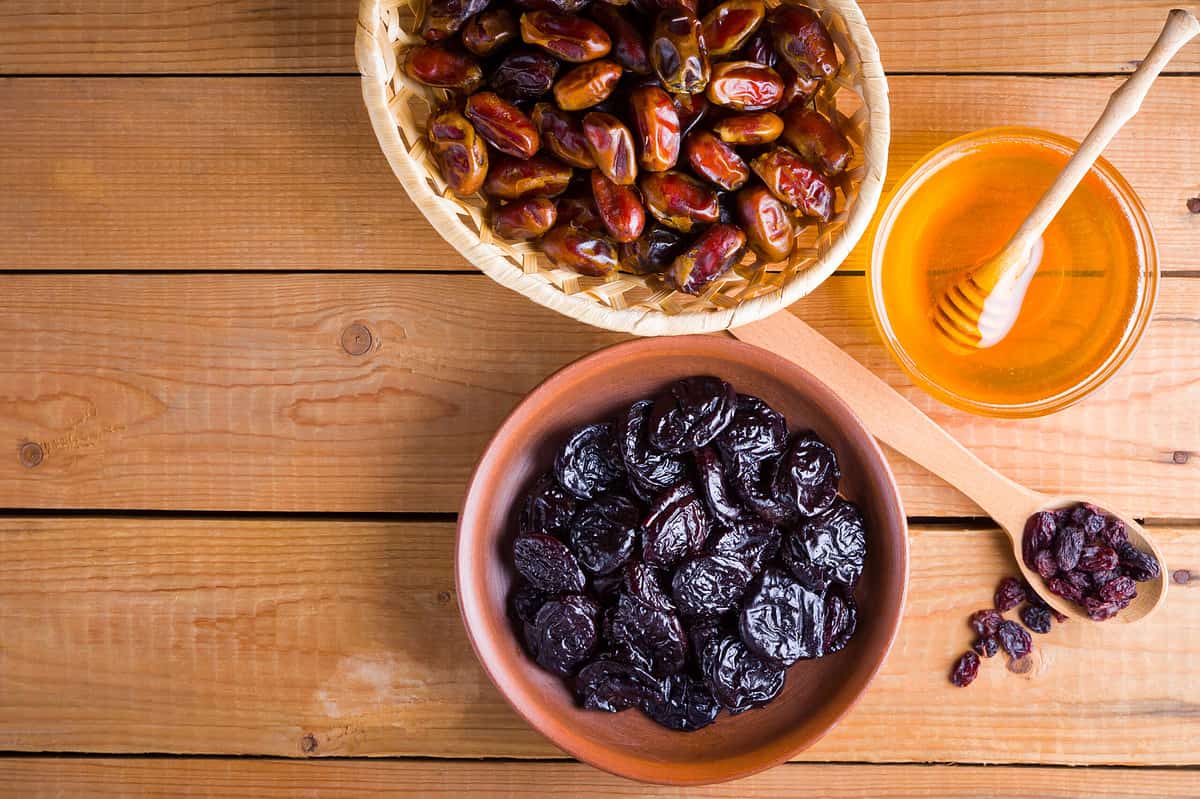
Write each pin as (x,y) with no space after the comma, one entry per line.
(632,768)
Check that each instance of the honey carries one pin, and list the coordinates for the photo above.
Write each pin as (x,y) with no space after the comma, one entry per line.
(1084,308)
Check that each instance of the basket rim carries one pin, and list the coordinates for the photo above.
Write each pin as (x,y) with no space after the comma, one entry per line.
(442,215)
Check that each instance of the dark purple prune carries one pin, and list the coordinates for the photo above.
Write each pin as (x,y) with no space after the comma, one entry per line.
(737,678)
(1068,544)
(808,474)
(642,583)
(691,413)
(524,601)
(717,496)
(841,618)
(1045,564)
(589,463)
(830,546)
(965,670)
(523,75)
(1009,594)
(781,620)
(757,432)
(985,647)
(751,540)
(565,633)
(709,585)
(607,587)
(676,527)
(1038,536)
(1099,610)
(547,564)
(1119,589)
(686,704)
(753,481)
(613,686)
(548,508)
(604,533)
(1137,564)
(703,632)
(1097,559)
(1014,639)
(656,634)
(985,622)
(1036,618)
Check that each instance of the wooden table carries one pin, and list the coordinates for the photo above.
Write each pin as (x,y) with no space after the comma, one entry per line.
(227,525)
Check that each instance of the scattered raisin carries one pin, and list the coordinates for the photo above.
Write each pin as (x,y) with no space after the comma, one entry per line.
(965,670)
(1009,594)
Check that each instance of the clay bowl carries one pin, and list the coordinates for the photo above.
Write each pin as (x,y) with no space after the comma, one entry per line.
(817,693)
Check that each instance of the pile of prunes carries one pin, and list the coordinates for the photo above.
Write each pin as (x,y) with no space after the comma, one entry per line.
(680,559)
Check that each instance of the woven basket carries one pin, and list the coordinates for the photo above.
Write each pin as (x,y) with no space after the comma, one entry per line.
(640,304)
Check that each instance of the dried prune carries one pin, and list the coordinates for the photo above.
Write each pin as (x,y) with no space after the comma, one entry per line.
(762,127)
(620,208)
(737,678)
(677,52)
(1137,564)
(1009,594)
(443,69)
(1036,618)
(503,124)
(611,145)
(604,532)
(985,647)
(656,634)
(753,481)
(985,622)
(584,251)
(525,219)
(711,255)
(679,200)
(717,496)
(709,585)
(781,620)
(565,633)
(676,527)
(523,75)
(443,18)
(589,463)
(841,619)
(656,124)
(547,509)
(715,161)
(586,85)
(489,31)
(606,587)
(654,470)
(827,547)
(1119,589)
(816,139)
(654,251)
(512,178)
(642,583)
(628,44)
(751,540)
(802,41)
(1014,639)
(730,24)
(461,155)
(744,86)
(808,474)
(547,564)
(1068,545)
(794,182)
(966,669)
(686,704)
(613,686)
(691,413)
(567,37)
(757,432)
(524,602)
(563,136)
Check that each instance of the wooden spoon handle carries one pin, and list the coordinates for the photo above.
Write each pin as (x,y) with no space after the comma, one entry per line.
(891,418)
(1124,103)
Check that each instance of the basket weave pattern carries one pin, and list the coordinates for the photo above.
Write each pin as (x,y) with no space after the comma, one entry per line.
(643,304)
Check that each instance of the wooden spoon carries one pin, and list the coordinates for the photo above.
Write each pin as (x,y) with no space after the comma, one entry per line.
(899,424)
(980,308)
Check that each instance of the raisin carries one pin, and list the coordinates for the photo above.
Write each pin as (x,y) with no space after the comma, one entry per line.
(709,585)
(691,413)
(547,564)
(1009,594)
(965,670)
(604,533)
(1038,536)
(547,509)
(1120,589)
(1137,564)
(986,622)
(985,647)
(1068,544)
(1099,610)
(1014,639)
(589,463)
(1097,559)
(1036,618)
(1045,564)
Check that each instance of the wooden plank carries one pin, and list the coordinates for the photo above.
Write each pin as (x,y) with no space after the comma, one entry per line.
(258,173)
(47,778)
(233,392)
(286,637)
(140,36)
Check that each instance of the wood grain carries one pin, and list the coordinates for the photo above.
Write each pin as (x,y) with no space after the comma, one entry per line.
(285,173)
(44,778)
(233,392)
(342,638)
(141,36)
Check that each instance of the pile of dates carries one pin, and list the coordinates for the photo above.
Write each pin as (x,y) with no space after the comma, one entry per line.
(641,135)
(680,559)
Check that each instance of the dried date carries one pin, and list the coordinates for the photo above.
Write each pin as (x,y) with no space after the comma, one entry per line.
(679,200)
(794,182)
(768,226)
(513,178)
(715,161)
(611,145)
(436,66)
(654,250)
(524,74)
(460,154)
(628,44)
(656,123)
(728,26)
(526,219)
(761,127)
(744,86)
(490,31)
(802,41)
(563,136)
(677,52)
(586,85)
(566,37)
(816,140)
(443,18)
(620,208)
(502,124)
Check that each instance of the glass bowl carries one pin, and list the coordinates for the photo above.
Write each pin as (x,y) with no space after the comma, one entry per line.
(1086,307)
